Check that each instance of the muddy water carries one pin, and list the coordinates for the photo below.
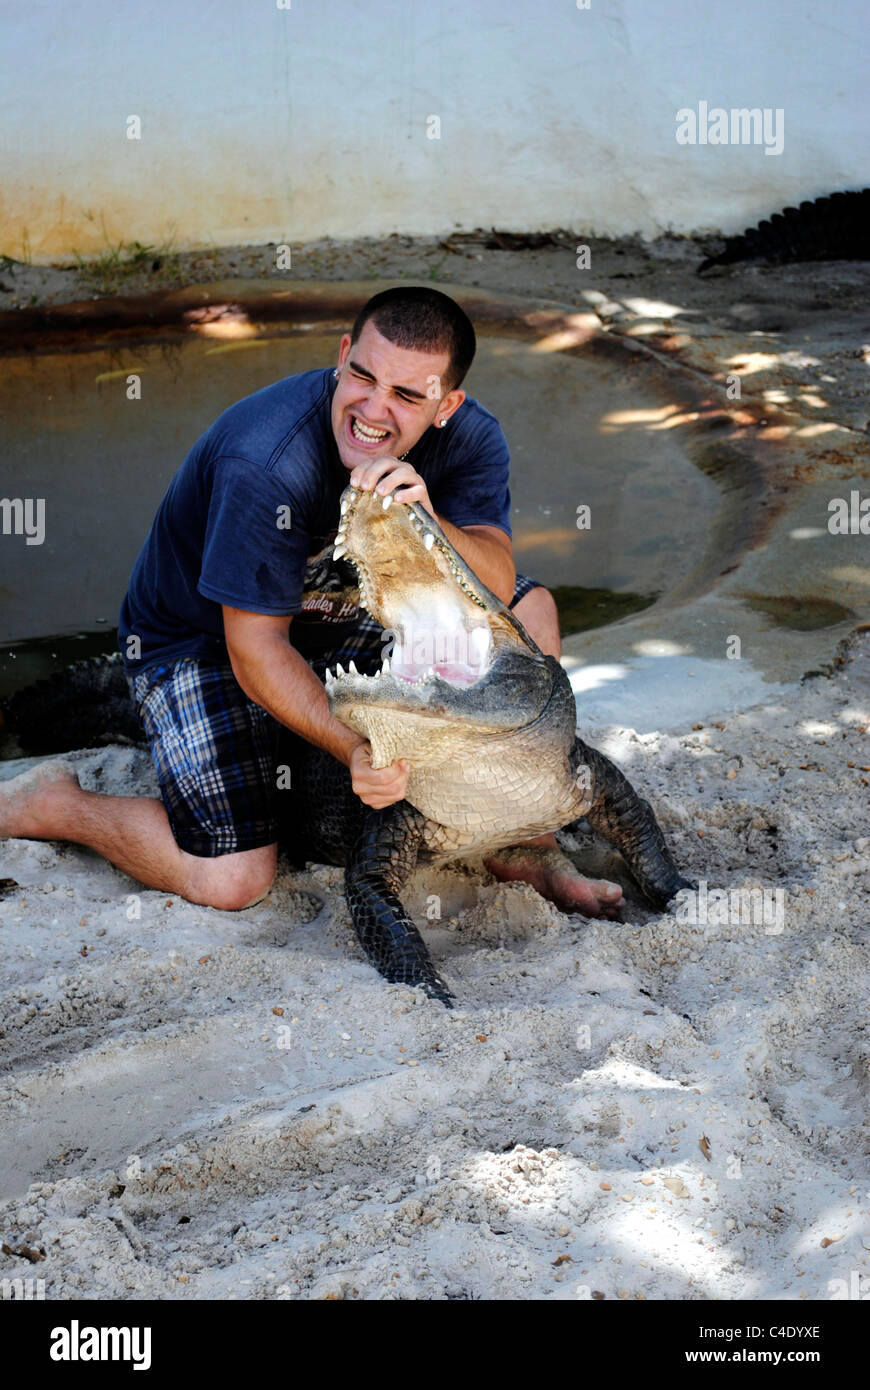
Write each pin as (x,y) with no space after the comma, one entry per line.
(581,435)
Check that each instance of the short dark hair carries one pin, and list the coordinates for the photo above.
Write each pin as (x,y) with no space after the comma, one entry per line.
(424,320)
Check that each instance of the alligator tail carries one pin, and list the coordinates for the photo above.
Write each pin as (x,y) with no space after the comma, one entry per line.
(629,824)
(836,228)
(84,706)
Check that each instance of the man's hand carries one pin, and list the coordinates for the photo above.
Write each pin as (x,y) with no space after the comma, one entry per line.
(386,473)
(377,787)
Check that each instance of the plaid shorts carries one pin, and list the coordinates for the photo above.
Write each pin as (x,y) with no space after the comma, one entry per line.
(216,751)
(215,754)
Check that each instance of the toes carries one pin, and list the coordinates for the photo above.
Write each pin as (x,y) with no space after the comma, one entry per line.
(605,890)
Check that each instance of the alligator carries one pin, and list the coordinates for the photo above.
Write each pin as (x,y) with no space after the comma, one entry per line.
(484,717)
(487,723)
(836,228)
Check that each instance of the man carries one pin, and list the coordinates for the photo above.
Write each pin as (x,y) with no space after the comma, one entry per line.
(235,607)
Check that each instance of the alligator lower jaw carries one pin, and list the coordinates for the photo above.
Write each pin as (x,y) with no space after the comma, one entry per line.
(384,683)
(428,695)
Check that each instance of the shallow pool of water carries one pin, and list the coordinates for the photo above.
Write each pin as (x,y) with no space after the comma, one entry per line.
(579,432)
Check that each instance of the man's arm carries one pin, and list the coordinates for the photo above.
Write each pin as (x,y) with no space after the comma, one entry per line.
(276,676)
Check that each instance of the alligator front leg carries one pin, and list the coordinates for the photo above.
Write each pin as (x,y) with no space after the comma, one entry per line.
(628,823)
(379,863)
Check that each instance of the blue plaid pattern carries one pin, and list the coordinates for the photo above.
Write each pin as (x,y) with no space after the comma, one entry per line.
(215,750)
(215,755)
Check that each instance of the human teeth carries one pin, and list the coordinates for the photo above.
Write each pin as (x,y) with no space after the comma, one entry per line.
(429,539)
(366,432)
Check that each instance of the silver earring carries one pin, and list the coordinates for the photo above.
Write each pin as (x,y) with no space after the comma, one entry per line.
(441,424)
(335,374)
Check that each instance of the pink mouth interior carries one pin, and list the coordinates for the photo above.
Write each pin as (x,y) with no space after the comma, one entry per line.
(409,668)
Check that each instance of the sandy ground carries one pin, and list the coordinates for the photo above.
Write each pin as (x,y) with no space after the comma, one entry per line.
(200,1104)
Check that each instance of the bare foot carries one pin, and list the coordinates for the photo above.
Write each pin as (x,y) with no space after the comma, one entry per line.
(542,864)
(28,800)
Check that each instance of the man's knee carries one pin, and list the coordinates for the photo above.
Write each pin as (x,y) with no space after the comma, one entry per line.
(539,615)
(234,881)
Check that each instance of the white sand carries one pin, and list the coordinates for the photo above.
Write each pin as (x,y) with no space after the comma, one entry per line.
(165,1133)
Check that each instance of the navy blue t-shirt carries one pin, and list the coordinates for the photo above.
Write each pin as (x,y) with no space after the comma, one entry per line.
(250,517)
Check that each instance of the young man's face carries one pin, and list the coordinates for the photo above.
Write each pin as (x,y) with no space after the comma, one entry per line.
(386,397)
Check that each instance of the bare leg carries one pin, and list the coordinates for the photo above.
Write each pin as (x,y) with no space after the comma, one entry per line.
(132,832)
(540,861)
(539,615)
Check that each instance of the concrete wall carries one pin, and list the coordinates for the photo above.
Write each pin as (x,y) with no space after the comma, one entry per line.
(268,124)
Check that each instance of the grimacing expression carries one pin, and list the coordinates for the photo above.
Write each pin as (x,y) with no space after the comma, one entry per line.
(386,397)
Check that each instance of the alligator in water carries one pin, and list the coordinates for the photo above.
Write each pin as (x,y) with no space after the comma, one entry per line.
(836,228)
(485,719)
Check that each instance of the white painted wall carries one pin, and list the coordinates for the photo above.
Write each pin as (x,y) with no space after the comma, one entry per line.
(268,124)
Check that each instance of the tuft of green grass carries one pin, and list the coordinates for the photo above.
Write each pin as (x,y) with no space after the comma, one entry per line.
(26,257)
(120,262)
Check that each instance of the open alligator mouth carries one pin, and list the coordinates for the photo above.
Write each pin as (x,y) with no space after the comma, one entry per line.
(448,640)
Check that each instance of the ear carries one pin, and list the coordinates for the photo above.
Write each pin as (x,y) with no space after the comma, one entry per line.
(343,349)
(450,404)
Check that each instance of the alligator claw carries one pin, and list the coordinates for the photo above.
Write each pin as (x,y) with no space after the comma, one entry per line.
(416,969)
(436,989)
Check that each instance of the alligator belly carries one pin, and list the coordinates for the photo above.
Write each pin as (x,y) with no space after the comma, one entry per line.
(486,807)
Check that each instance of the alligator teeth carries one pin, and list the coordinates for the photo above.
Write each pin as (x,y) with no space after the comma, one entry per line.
(388,501)
(345,503)
(385,669)
(353,670)
(429,539)
(339,551)
(329,676)
(339,669)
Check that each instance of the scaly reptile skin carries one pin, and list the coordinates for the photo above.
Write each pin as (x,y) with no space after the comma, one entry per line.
(380,849)
(493,762)
(491,743)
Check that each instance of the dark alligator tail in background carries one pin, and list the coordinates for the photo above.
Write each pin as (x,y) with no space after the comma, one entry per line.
(836,228)
(83,706)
